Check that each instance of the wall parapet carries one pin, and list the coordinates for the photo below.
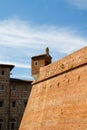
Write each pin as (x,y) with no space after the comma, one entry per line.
(66,64)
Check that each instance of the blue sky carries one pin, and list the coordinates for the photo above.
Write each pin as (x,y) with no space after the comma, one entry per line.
(27,27)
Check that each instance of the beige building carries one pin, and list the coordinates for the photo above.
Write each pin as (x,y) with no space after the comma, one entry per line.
(13,98)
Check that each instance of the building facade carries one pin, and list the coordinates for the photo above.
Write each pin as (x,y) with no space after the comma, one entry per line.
(58,98)
(13,98)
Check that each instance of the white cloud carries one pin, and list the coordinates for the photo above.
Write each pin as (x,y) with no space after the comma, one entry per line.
(81,4)
(20,40)
(19,65)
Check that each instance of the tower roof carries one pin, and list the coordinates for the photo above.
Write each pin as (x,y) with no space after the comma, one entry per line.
(46,54)
(7,65)
(41,56)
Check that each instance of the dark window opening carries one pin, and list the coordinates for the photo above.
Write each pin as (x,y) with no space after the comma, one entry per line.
(13,104)
(12,124)
(36,63)
(3,72)
(0,125)
(1,121)
(25,103)
(1,103)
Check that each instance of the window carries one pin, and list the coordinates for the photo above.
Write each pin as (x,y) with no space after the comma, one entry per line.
(3,72)
(25,103)
(35,63)
(13,103)
(12,124)
(1,122)
(1,103)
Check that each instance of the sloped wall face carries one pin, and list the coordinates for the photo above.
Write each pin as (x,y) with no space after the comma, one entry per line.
(58,102)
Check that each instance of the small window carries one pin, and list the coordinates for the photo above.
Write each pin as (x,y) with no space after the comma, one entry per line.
(0,125)
(1,103)
(35,63)
(12,124)
(3,72)
(13,104)
(1,122)
(25,103)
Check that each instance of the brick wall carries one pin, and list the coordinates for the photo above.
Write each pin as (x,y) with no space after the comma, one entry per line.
(4,96)
(20,91)
(12,90)
(58,99)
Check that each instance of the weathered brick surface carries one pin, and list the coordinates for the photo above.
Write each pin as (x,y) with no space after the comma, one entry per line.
(19,95)
(37,62)
(59,102)
(67,63)
(8,94)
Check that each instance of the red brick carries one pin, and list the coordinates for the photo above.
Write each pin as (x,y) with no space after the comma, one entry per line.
(58,100)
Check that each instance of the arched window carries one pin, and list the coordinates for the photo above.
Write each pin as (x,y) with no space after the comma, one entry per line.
(12,124)
(1,122)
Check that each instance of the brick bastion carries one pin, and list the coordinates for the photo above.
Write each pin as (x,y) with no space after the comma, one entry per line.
(58,100)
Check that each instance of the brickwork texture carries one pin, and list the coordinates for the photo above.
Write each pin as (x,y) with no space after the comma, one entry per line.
(14,94)
(58,100)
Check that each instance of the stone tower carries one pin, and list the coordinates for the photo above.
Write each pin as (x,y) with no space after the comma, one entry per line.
(39,61)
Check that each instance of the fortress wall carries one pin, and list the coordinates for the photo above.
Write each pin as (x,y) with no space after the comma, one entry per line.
(67,63)
(59,102)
